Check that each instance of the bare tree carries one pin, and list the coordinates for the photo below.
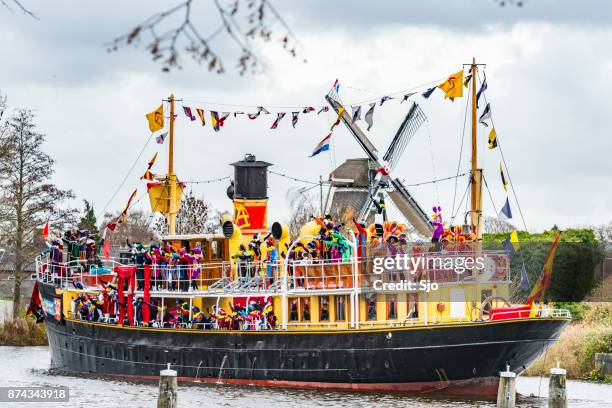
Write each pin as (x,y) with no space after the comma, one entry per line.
(258,17)
(27,198)
(494,225)
(303,208)
(138,227)
(195,216)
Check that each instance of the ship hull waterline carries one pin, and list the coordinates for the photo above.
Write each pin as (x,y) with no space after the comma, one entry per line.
(460,360)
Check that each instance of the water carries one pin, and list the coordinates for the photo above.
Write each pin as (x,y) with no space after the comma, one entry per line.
(28,366)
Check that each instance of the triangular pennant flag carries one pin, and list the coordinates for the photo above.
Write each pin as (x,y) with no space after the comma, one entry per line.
(106,249)
(45,231)
(340,113)
(452,86)
(508,247)
(323,109)
(111,226)
(279,116)
(356,113)
(238,113)
(294,118)
(467,79)
(492,139)
(408,95)
(152,161)
(428,92)
(322,146)
(148,176)
(369,116)
(505,211)
(483,88)
(385,99)
(503,178)
(201,115)
(514,240)
(486,114)
(156,119)
(524,277)
(188,113)
(161,137)
(308,109)
(253,115)
(336,85)
(261,109)
(214,120)
(224,116)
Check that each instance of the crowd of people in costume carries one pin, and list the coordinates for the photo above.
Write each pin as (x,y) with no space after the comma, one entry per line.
(104,307)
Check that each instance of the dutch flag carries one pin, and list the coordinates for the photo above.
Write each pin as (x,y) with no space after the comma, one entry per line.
(322,146)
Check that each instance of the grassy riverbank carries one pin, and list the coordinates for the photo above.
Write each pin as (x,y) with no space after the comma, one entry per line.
(22,331)
(575,351)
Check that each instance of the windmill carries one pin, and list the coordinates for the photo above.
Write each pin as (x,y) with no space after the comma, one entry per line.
(383,181)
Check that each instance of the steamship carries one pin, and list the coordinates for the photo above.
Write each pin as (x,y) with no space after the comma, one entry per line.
(334,328)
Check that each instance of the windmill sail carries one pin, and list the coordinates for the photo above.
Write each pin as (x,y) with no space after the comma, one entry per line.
(403,200)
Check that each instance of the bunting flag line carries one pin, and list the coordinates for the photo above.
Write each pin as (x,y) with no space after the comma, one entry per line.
(322,146)
(238,113)
(338,119)
(323,109)
(385,99)
(545,279)
(45,231)
(161,137)
(279,116)
(492,139)
(294,118)
(188,113)
(308,109)
(356,113)
(524,277)
(408,95)
(201,115)
(486,114)
(503,178)
(214,120)
(369,116)
(514,240)
(505,211)
(428,92)
(156,119)
(483,88)
(452,86)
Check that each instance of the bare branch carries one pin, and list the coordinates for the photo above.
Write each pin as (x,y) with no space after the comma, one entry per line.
(20,6)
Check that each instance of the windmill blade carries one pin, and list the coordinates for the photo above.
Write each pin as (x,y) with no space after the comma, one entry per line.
(407,205)
(411,123)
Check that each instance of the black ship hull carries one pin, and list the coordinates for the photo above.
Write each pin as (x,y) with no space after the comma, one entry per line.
(444,359)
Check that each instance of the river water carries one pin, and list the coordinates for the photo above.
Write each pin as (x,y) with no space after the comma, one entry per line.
(28,366)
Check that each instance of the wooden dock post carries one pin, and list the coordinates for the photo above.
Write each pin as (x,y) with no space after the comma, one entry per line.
(506,392)
(167,397)
(557,394)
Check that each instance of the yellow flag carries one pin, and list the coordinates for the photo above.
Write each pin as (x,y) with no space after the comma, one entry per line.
(514,240)
(452,87)
(492,139)
(156,119)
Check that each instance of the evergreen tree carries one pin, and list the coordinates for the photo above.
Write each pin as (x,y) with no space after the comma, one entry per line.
(89,222)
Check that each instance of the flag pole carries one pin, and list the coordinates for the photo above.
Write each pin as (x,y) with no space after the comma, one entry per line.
(171,176)
(476,184)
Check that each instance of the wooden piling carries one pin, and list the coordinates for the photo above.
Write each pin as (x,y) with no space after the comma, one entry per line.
(557,394)
(506,392)
(167,396)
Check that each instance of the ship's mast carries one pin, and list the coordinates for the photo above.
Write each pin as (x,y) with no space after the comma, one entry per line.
(172,210)
(476,182)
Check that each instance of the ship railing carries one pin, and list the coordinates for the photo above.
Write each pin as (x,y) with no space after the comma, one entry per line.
(528,312)
(319,275)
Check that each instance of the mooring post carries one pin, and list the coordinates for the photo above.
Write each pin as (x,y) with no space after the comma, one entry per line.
(506,392)
(167,389)
(557,394)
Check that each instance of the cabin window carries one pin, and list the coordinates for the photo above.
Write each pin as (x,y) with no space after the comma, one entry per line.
(324,308)
(293,310)
(413,306)
(391,307)
(370,307)
(340,304)
(216,249)
(305,303)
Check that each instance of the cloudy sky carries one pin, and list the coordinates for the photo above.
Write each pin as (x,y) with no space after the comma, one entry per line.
(548,66)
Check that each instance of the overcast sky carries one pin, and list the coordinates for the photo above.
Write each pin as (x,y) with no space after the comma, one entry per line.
(549,65)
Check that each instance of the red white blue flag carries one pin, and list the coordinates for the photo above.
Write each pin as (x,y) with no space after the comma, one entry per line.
(322,146)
